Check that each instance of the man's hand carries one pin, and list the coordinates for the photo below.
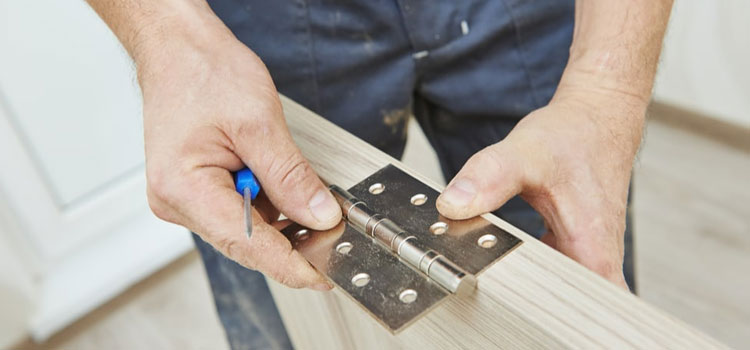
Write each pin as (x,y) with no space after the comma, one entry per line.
(571,160)
(210,107)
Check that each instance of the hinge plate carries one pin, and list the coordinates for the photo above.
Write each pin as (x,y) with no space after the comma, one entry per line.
(395,293)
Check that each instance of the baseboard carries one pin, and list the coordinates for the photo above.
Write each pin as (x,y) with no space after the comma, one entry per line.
(730,134)
(103,270)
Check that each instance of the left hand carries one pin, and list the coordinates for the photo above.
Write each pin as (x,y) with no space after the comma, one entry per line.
(572,161)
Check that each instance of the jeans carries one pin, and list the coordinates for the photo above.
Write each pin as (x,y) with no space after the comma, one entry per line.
(468,70)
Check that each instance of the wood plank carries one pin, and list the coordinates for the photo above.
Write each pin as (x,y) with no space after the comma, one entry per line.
(535,297)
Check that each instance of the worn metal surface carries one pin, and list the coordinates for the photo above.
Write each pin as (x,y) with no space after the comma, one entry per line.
(396,294)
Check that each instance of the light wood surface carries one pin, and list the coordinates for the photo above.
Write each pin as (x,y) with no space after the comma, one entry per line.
(534,297)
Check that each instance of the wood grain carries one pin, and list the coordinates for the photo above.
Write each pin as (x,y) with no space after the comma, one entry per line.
(533,298)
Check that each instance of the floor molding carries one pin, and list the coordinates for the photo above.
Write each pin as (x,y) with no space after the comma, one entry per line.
(730,134)
(105,310)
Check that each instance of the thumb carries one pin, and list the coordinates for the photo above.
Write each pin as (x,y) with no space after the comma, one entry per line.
(488,179)
(287,178)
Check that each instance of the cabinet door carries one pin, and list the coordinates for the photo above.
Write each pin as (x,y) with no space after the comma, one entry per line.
(71,142)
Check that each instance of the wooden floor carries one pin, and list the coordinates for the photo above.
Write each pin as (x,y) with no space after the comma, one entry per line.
(692,236)
(692,210)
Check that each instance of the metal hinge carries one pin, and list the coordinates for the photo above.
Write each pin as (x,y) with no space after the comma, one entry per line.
(394,254)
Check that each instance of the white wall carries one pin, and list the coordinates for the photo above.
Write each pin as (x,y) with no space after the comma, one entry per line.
(706,59)
(17,290)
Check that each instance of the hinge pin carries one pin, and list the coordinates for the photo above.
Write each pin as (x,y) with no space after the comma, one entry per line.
(407,247)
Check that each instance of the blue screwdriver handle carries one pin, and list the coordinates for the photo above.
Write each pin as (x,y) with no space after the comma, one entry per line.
(244,179)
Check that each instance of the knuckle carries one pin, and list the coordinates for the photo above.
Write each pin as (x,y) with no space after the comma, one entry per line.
(494,153)
(264,114)
(285,275)
(492,157)
(485,156)
(154,182)
(230,247)
(287,280)
(503,165)
(157,206)
(158,194)
(158,184)
(292,172)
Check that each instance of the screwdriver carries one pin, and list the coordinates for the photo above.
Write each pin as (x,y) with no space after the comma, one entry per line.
(246,184)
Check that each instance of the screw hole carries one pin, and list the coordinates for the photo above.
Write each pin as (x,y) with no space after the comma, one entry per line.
(361,279)
(487,241)
(344,247)
(408,296)
(302,234)
(377,188)
(438,228)
(418,199)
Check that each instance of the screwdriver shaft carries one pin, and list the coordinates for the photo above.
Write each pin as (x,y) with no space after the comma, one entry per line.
(247,196)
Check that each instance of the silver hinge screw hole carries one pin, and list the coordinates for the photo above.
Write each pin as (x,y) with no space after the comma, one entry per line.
(487,241)
(418,199)
(438,228)
(408,296)
(302,234)
(377,188)
(344,247)
(361,279)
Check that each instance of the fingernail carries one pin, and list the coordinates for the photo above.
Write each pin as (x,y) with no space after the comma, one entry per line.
(323,207)
(460,193)
(322,286)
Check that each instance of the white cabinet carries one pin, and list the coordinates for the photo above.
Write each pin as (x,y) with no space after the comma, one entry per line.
(71,161)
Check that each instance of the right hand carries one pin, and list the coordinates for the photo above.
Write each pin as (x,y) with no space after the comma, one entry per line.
(210,107)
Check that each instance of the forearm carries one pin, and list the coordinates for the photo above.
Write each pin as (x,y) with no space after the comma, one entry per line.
(149,29)
(613,58)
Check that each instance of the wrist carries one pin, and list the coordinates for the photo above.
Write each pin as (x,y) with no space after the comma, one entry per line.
(614,72)
(165,42)
(620,116)
(605,89)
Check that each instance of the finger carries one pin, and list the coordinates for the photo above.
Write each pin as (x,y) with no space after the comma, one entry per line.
(549,239)
(214,211)
(273,255)
(281,224)
(285,175)
(487,180)
(264,206)
(589,240)
(591,254)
